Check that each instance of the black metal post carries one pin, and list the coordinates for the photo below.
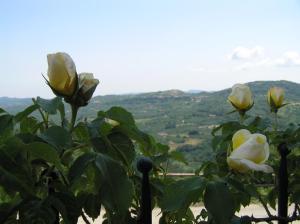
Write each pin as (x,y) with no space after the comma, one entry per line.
(144,165)
(283,183)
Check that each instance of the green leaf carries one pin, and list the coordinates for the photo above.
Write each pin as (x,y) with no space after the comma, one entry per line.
(37,211)
(180,194)
(272,196)
(121,115)
(67,205)
(162,148)
(57,136)
(79,166)
(142,139)
(99,127)
(11,182)
(21,115)
(241,195)
(116,145)
(50,106)
(6,123)
(30,125)
(123,146)
(2,111)
(295,191)
(126,126)
(91,204)
(81,133)
(178,156)
(7,214)
(219,202)
(40,150)
(252,190)
(15,173)
(116,189)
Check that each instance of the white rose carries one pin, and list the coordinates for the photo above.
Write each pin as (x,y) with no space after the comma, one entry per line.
(241,97)
(250,152)
(62,74)
(87,85)
(275,97)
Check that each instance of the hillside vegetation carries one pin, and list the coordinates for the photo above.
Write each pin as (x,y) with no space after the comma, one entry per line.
(184,120)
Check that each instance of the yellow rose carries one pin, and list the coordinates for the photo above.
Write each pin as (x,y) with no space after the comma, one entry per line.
(275,97)
(241,97)
(87,85)
(62,74)
(250,152)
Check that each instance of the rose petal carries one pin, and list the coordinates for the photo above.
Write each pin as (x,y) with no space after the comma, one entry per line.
(240,137)
(255,149)
(61,73)
(243,165)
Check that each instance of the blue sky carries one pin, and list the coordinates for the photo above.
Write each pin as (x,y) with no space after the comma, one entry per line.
(141,46)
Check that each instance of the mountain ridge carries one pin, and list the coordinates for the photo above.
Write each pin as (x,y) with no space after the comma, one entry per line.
(184,120)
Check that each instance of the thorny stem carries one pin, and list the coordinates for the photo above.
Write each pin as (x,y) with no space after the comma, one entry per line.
(295,210)
(265,206)
(85,218)
(74,115)
(242,117)
(273,218)
(42,114)
(262,201)
(275,121)
(166,169)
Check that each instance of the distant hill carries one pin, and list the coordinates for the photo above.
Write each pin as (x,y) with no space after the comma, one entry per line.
(183,119)
(194,91)
(14,105)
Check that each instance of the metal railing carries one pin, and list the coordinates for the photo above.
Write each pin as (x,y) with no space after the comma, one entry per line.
(144,165)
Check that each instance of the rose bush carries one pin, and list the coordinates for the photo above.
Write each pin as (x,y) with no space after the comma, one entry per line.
(56,170)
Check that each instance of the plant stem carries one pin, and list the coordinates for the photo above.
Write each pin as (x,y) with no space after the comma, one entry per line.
(166,169)
(42,114)
(85,218)
(272,218)
(295,210)
(275,121)
(74,115)
(242,117)
(261,199)
(265,206)
(283,183)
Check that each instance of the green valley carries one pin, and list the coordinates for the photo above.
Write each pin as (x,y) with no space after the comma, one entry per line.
(184,120)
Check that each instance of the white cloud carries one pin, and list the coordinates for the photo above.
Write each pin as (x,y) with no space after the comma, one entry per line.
(288,59)
(246,53)
(265,62)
